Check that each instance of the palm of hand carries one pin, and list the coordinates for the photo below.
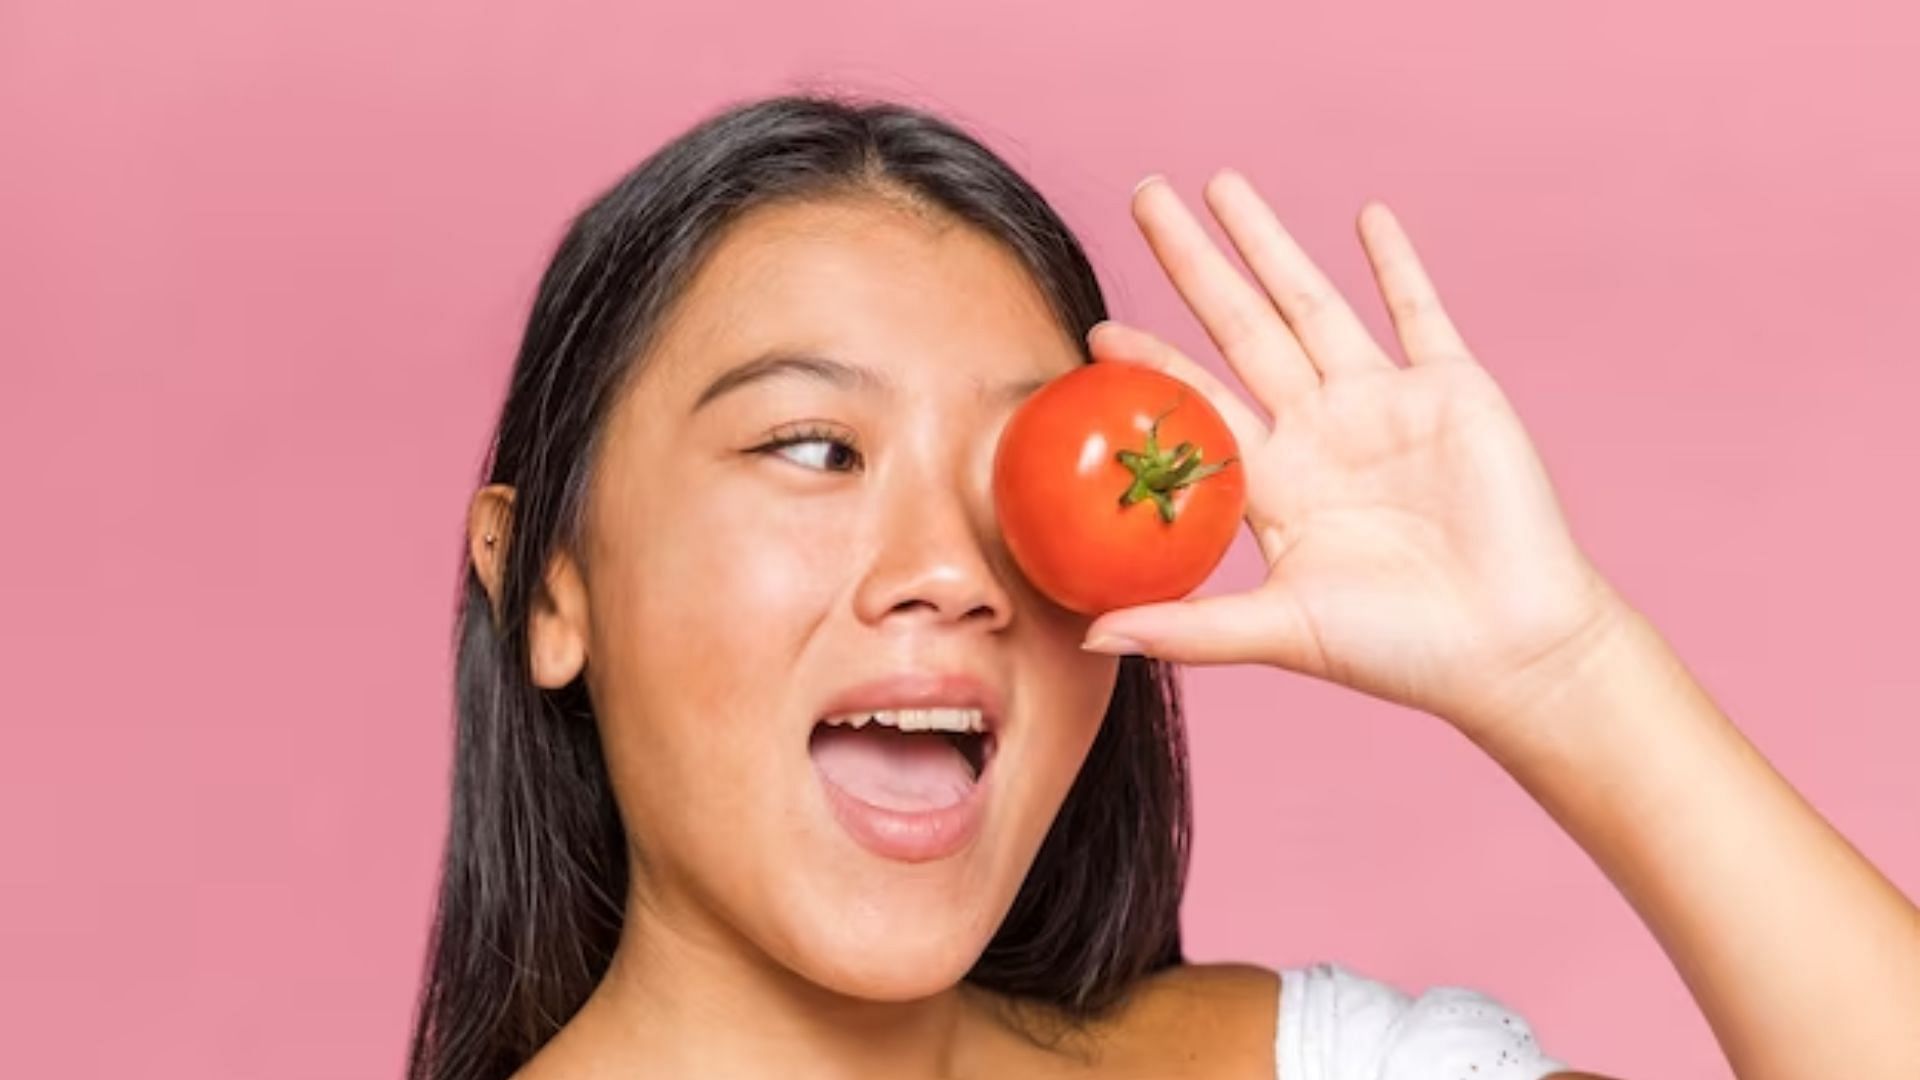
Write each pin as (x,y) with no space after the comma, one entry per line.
(1407,521)
(1415,547)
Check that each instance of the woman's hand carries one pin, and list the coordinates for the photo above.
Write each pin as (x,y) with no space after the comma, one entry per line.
(1414,545)
(1415,551)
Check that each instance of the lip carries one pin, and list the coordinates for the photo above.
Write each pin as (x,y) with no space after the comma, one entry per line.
(920,690)
(925,835)
(911,836)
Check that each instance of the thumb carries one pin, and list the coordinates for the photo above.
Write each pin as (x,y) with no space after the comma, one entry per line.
(1262,627)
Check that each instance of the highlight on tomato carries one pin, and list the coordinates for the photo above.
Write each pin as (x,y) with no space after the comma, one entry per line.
(1116,485)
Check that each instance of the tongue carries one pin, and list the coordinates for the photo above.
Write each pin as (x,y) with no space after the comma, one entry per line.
(891,769)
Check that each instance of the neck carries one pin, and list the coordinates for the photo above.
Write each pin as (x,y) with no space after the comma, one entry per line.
(687,996)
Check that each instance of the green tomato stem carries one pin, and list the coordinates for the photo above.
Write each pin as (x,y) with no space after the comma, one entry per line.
(1158,473)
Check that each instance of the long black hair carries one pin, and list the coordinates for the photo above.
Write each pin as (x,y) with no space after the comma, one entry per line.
(536,867)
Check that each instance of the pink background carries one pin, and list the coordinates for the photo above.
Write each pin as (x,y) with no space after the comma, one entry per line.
(262,268)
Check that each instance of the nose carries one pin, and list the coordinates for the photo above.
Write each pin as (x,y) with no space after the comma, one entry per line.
(933,558)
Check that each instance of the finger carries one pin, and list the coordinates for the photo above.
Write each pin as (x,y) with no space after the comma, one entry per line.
(1242,323)
(1426,333)
(1259,627)
(1118,341)
(1335,339)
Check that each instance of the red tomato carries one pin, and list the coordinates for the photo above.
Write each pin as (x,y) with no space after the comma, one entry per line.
(1117,485)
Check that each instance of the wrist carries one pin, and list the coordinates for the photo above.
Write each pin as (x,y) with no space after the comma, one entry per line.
(1571,689)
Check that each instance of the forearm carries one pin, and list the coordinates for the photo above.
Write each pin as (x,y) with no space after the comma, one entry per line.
(1803,957)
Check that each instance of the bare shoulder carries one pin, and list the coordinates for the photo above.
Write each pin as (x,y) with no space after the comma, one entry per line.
(1208,988)
(1201,1020)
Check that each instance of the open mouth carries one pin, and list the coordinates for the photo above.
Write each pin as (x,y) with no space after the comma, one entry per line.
(904,760)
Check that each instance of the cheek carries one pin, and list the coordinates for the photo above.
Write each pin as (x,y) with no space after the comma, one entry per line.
(1072,689)
(1078,683)
(698,617)
(1090,691)
(751,576)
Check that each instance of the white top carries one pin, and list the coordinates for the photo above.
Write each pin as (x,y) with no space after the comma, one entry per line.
(1337,1025)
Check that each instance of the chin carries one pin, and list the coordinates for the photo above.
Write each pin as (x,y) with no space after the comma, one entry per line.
(880,952)
(877,976)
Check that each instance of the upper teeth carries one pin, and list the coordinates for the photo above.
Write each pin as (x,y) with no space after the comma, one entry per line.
(956,720)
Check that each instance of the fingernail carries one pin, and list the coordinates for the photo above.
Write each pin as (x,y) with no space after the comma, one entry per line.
(1150,178)
(1112,644)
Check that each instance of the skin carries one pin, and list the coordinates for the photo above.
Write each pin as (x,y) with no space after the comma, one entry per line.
(727,592)
(1416,553)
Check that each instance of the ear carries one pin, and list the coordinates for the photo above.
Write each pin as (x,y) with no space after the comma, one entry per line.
(488,516)
(557,625)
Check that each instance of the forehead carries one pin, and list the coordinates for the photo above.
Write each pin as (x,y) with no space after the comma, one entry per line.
(869,278)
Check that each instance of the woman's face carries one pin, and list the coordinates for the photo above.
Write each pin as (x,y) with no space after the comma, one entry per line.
(739,593)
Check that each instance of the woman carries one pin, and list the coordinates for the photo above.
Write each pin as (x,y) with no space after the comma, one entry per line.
(736,550)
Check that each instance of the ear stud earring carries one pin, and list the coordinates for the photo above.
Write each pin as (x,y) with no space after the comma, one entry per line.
(489,539)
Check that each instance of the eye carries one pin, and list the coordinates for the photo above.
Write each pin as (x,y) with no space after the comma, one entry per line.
(817,448)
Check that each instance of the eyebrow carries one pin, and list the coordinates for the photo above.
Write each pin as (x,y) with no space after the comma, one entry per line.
(826,369)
